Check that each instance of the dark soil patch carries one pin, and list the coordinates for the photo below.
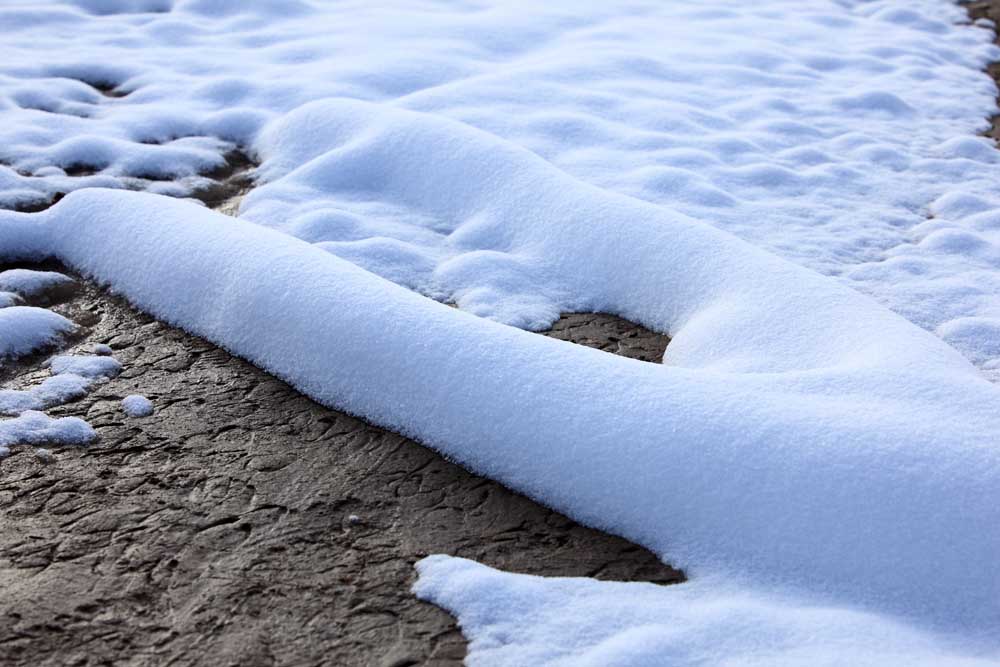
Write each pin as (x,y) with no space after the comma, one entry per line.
(989,9)
(232,181)
(108,89)
(244,524)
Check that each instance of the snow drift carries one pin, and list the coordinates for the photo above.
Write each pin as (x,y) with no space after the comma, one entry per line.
(818,464)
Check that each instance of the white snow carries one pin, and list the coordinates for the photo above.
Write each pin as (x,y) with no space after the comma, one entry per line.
(821,130)
(795,438)
(72,376)
(137,406)
(24,329)
(525,620)
(52,391)
(88,366)
(29,283)
(37,428)
(522,160)
(8,299)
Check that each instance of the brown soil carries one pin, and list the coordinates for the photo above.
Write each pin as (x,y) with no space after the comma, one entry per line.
(244,524)
(989,9)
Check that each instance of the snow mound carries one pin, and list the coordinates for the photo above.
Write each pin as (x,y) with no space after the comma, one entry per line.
(137,406)
(24,329)
(525,160)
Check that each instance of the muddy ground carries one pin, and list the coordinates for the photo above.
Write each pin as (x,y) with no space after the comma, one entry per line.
(244,524)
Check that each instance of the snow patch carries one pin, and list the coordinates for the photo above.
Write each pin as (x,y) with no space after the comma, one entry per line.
(87,366)
(137,406)
(37,428)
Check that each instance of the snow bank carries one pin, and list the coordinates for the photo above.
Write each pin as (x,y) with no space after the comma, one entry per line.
(521,161)
(24,329)
(797,441)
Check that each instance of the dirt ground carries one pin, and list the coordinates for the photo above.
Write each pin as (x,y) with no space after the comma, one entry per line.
(244,524)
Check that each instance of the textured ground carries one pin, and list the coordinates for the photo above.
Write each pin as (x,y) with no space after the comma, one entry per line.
(243,524)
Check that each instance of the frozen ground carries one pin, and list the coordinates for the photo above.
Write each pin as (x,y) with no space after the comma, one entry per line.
(521,163)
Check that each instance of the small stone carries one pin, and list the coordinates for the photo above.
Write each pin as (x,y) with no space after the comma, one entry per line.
(353,519)
(44,455)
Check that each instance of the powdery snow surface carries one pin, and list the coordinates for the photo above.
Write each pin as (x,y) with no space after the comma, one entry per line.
(826,131)
(824,469)
(526,620)
(137,406)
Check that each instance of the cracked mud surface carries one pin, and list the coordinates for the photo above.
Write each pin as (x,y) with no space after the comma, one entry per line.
(244,524)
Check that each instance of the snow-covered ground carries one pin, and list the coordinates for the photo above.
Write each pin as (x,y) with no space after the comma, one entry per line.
(825,469)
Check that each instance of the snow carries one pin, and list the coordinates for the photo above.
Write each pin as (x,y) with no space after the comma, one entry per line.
(8,299)
(137,406)
(84,365)
(24,329)
(821,384)
(72,377)
(52,391)
(30,283)
(37,428)
(526,620)
(823,468)
(790,138)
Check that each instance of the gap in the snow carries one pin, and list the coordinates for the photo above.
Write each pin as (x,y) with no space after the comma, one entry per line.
(230,182)
(107,88)
(610,333)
